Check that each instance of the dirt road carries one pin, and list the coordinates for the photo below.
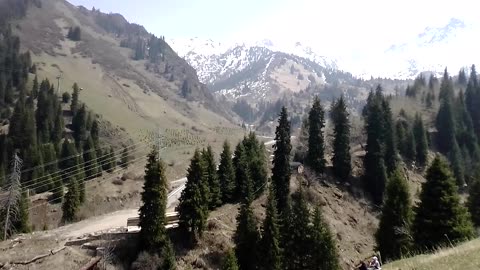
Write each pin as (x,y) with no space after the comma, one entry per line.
(112,220)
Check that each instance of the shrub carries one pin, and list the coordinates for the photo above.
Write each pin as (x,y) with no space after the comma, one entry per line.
(66,97)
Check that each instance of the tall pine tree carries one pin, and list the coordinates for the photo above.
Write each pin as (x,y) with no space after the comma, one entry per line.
(421,141)
(341,144)
(440,216)
(193,206)
(281,161)
(393,235)
(226,174)
(269,248)
(215,198)
(316,145)
(324,250)
(474,200)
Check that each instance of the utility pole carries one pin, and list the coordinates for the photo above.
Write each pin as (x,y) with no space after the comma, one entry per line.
(58,82)
(14,195)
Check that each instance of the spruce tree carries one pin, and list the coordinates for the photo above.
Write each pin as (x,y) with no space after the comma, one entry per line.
(22,223)
(125,157)
(281,161)
(230,261)
(81,178)
(269,247)
(75,102)
(59,126)
(257,162)
(393,235)
(193,205)
(35,87)
(420,140)
(58,191)
(341,144)
(375,169)
(445,124)
(71,201)
(215,198)
(316,145)
(324,250)
(457,163)
(474,200)
(242,172)
(390,158)
(297,251)
(246,236)
(153,235)
(68,160)
(440,216)
(79,126)
(410,145)
(226,174)
(90,159)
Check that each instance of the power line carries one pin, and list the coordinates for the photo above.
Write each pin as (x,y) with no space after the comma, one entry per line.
(60,160)
(76,172)
(113,176)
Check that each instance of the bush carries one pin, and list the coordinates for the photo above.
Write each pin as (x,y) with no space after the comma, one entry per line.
(66,97)
(147,261)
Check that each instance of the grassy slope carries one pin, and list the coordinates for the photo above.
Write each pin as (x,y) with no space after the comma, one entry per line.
(114,86)
(463,257)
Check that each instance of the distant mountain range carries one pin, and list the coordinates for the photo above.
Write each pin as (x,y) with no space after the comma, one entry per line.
(265,68)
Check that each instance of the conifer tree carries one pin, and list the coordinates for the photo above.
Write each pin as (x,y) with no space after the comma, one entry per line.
(246,236)
(281,161)
(90,159)
(302,142)
(153,235)
(74,106)
(68,162)
(215,198)
(108,161)
(269,247)
(420,140)
(57,132)
(390,158)
(324,250)
(472,100)
(446,87)
(35,87)
(410,145)
(440,216)
(445,125)
(193,206)
(58,191)
(257,162)
(79,126)
(81,178)
(297,251)
(71,201)
(316,145)
(125,157)
(242,171)
(341,145)
(474,200)
(375,169)
(226,174)
(22,223)
(462,77)
(457,163)
(230,262)
(393,235)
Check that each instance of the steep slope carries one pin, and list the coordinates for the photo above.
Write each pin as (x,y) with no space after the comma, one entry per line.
(156,89)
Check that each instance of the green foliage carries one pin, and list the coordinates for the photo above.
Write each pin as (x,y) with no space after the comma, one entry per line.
(59,126)
(474,200)
(376,129)
(74,33)
(22,223)
(297,241)
(211,177)
(66,97)
(281,161)
(75,102)
(270,254)
(193,206)
(246,236)
(109,161)
(242,172)
(125,157)
(79,126)
(316,145)
(90,158)
(440,216)
(153,234)
(341,144)
(324,250)
(257,162)
(421,142)
(58,191)
(230,261)
(226,174)
(302,142)
(393,235)
(68,164)
(71,201)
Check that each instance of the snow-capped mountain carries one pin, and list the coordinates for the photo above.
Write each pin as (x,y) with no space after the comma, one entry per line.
(264,68)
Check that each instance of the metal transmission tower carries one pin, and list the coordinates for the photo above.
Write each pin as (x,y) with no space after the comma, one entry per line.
(59,77)
(11,204)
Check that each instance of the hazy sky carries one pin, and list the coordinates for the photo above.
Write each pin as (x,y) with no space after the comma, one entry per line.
(339,25)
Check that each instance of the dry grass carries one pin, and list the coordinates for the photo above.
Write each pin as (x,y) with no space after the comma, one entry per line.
(463,257)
